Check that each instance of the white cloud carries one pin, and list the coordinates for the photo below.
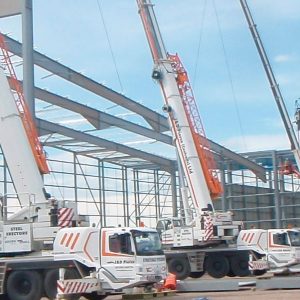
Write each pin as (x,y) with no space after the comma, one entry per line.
(283,58)
(257,143)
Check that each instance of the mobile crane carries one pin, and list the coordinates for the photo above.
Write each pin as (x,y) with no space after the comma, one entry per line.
(40,239)
(273,250)
(287,168)
(204,240)
(277,250)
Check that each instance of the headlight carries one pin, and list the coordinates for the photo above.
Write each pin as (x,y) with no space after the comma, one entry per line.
(149,269)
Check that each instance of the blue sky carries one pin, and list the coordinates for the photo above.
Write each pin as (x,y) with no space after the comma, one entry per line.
(238,111)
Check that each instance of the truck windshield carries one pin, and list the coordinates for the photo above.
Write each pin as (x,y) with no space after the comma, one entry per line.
(294,238)
(147,243)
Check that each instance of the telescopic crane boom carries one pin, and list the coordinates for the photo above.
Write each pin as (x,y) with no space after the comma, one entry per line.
(188,241)
(273,83)
(185,123)
(186,126)
(18,138)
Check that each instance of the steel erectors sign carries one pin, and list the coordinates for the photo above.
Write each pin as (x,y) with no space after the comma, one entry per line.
(16,238)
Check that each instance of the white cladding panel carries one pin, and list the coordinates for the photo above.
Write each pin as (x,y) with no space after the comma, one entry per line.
(16,148)
(10,7)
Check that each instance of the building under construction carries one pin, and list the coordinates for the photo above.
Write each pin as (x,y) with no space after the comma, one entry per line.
(118,184)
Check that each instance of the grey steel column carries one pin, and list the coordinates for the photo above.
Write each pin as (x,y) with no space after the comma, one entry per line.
(27,50)
(229,186)
(276,192)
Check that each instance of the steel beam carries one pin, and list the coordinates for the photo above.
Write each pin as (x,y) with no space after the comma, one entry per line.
(99,119)
(258,170)
(49,127)
(157,122)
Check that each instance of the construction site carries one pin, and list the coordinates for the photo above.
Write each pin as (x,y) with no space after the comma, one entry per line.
(87,181)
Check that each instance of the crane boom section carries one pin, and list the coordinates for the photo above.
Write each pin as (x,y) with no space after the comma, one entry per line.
(26,117)
(272,81)
(16,148)
(168,71)
(202,144)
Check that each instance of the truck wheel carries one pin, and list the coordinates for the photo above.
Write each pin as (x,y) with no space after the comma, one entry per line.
(94,296)
(50,283)
(217,266)
(24,285)
(259,272)
(230,274)
(180,267)
(197,274)
(240,266)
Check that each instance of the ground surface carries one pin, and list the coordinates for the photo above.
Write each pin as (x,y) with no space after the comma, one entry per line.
(237,295)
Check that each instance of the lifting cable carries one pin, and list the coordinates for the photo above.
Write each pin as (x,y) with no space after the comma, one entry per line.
(230,77)
(203,14)
(110,46)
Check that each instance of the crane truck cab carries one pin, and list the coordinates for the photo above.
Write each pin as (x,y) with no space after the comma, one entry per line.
(108,259)
(275,250)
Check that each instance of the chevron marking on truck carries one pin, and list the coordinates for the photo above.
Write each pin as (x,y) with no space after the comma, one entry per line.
(208,225)
(69,240)
(248,237)
(258,265)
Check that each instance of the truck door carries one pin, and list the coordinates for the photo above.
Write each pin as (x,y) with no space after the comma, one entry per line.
(279,252)
(117,257)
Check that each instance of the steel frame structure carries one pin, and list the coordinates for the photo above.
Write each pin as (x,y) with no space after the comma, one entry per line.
(143,185)
(112,194)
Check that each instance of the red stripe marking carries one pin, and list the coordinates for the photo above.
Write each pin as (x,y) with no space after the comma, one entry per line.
(69,239)
(60,288)
(69,286)
(63,239)
(86,287)
(75,241)
(75,286)
(251,238)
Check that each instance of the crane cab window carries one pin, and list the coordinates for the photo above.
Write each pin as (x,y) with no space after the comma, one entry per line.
(294,238)
(280,239)
(120,243)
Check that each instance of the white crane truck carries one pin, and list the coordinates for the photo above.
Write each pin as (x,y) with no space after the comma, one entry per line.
(204,240)
(39,237)
(289,169)
(274,250)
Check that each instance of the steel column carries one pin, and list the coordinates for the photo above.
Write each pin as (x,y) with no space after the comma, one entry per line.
(27,51)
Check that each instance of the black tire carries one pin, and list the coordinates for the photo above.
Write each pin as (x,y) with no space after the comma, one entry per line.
(50,283)
(94,296)
(24,285)
(259,272)
(197,274)
(240,265)
(180,267)
(230,274)
(217,266)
